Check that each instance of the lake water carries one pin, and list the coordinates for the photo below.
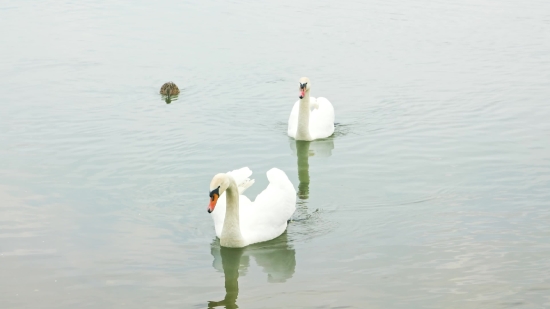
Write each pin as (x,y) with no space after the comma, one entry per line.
(434,192)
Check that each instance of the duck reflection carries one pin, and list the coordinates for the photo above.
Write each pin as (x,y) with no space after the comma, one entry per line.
(304,150)
(276,257)
(168,99)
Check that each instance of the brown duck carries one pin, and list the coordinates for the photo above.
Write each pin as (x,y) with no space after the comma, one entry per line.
(169,89)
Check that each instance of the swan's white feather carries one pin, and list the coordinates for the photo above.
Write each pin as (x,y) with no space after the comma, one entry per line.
(321,118)
(266,217)
(241,177)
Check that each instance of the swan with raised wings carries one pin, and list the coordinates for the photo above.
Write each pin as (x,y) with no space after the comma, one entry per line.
(311,118)
(240,222)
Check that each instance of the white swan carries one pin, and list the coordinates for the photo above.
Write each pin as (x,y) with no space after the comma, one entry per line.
(240,222)
(310,118)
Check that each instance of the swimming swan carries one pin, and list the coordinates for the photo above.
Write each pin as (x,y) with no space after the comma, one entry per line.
(310,118)
(240,222)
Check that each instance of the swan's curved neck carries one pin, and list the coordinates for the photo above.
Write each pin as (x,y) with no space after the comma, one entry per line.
(231,231)
(302,133)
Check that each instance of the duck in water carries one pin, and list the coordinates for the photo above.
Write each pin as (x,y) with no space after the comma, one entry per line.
(169,89)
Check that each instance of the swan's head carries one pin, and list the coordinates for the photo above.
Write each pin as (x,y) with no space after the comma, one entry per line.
(218,185)
(305,85)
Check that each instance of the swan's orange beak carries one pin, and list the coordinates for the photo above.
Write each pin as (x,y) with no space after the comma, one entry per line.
(302,93)
(213,201)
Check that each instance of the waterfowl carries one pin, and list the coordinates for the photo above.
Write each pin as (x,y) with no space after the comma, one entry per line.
(310,118)
(169,89)
(240,222)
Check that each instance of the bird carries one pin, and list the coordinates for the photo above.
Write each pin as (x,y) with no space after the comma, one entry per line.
(169,89)
(240,222)
(310,118)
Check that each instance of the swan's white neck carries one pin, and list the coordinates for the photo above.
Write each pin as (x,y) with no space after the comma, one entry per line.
(231,231)
(302,133)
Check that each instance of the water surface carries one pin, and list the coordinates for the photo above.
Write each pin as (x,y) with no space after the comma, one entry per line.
(433,193)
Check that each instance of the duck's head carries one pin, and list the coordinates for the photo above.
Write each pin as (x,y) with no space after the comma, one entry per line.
(218,185)
(305,85)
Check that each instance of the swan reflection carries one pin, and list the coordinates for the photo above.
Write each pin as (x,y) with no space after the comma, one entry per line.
(304,150)
(276,257)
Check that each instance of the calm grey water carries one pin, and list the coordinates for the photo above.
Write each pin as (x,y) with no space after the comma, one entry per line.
(434,191)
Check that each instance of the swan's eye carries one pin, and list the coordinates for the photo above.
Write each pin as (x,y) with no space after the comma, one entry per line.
(215,191)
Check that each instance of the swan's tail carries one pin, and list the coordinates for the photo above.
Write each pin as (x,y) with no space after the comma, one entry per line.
(242,179)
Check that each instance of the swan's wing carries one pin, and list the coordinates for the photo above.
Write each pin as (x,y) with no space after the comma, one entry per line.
(321,121)
(313,104)
(266,217)
(293,120)
(242,179)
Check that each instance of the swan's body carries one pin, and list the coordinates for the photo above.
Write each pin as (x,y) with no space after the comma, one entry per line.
(240,222)
(310,118)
